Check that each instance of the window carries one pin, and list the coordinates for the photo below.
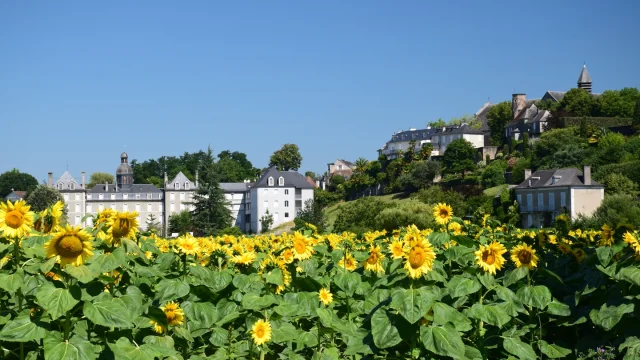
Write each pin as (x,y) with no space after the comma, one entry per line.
(66,197)
(540,201)
(77,197)
(89,197)
(270,181)
(172,207)
(59,186)
(138,207)
(186,185)
(281,181)
(113,206)
(77,220)
(339,167)
(149,196)
(72,185)
(552,200)
(266,191)
(100,196)
(563,200)
(181,196)
(113,196)
(177,186)
(249,195)
(275,204)
(266,203)
(529,220)
(88,208)
(100,207)
(275,217)
(149,207)
(125,196)
(286,203)
(137,196)
(286,191)
(172,196)
(275,191)
(286,215)
(77,208)
(530,202)
(125,207)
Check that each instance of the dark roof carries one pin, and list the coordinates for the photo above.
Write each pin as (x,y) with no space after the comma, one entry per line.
(417,135)
(135,188)
(291,179)
(348,163)
(462,129)
(564,177)
(15,195)
(482,116)
(234,187)
(584,75)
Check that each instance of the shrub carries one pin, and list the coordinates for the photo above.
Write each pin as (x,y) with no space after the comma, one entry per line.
(412,212)
(630,169)
(312,213)
(359,215)
(618,209)
(619,184)
(434,195)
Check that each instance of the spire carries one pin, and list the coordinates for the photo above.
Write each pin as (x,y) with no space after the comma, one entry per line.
(584,81)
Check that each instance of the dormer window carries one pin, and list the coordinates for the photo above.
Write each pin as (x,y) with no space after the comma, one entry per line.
(60,186)
(72,186)
(177,185)
(280,181)
(270,181)
(186,185)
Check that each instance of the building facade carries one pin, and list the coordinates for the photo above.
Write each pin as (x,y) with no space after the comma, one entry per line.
(73,193)
(545,194)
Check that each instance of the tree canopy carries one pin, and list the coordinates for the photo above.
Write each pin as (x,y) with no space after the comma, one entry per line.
(498,116)
(287,158)
(42,197)
(16,180)
(100,178)
(578,102)
(459,156)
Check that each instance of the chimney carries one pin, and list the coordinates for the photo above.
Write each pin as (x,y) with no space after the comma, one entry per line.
(50,181)
(166,179)
(106,186)
(518,102)
(527,173)
(587,174)
(196,178)
(83,176)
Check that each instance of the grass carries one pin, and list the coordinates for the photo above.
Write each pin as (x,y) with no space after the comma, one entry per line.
(494,190)
(331,213)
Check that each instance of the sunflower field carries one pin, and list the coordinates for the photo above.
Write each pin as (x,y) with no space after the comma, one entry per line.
(464,290)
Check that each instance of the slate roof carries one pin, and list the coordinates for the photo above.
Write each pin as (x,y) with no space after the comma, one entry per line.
(584,75)
(348,163)
(182,179)
(291,179)
(462,129)
(482,116)
(15,195)
(234,187)
(135,188)
(565,177)
(66,179)
(556,95)
(417,135)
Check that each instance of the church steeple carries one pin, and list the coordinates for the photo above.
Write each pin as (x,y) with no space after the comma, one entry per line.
(584,81)
(124,173)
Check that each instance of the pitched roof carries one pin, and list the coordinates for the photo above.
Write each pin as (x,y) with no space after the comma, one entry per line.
(135,188)
(348,163)
(482,115)
(462,129)
(66,179)
(234,187)
(563,177)
(15,195)
(181,179)
(584,75)
(311,181)
(291,179)
(408,135)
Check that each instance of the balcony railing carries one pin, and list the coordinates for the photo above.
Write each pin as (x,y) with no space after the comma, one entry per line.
(539,208)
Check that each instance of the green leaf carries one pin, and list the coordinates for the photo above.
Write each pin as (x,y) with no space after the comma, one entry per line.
(437,238)
(487,280)
(82,273)
(163,344)
(48,265)
(215,280)
(108,262)
(632,344)
(512,276)
(200,314)
(219,337)
(375,298)
(21,329)
(283,332)
(183,333)
(57,301)
(558,308)
(412,304)
(630,274)
(442,340)
(74,349)
(171,290)
(491,314)
(255,302)
(248,283)
(535,296)
(109,313)
(384,333)
(12,282)
(608,316)
(472,353)
(553,351)
(518,348)
(124,349)
(348,282)
(443,314)
(604,255)
(274,277)
(460,286)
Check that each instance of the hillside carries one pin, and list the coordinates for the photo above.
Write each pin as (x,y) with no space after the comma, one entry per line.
(332,211)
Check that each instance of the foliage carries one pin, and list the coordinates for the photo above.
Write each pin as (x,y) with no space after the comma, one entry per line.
(359,216)
(287,158)
(606,122)
(610,139)
(16,180)
(526,148)
(312,175)
(420,175)
(232,230)
(578,102)
(181,223)
(335,182)
(553,141)
(266,221)
(42,197)
(325,198)
(211,211)
(517,174)
(435,195)
(615,183)
(618,209)
(459,156)
(630,169)
(636,114)
(234,167)
(617,103)
(100,178)
(493,174)
(153,225)
(498,116)
(311,213)
(405,214)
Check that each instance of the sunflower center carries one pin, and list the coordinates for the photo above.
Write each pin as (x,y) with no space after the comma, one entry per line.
(260,331)
(488,257)
(69,246)
(121,228)
(524,257)
(444,213)
(13,219)
(416,257)
(373,258)
(300,247)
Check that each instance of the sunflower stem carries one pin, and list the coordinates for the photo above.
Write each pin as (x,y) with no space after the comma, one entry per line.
(16,257)
(67,323)
(184,267)
(318,347)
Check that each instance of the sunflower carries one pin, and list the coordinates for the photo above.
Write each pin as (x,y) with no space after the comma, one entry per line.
(72,246)
(302,250)
(396,248)
(4,261)
(442,213)
(419,258)
(578,254)
(349,263)
(374,262)
(630,239)
(53,275)
(104,216)
(173,312)
(326,297)
(524,255)
(157,327)
(564,248)
(490,257)
(122,225)
(261,332)
(287,256)
(15,219)
(244,258)
(456,228)
(187,245)
(606,236)
(49,220)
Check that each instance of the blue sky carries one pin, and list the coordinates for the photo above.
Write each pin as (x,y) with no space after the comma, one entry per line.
(81,81)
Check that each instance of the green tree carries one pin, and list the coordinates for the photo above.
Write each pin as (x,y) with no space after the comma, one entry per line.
(311,174)
(526,149)
(434,195)
(411,212)
(493,175)
(615,183)
(497,118)
(618,209)
(335,182)
(44,196)
(459,156)
(312,213)
(420,175)
(517,174)
(267,221)
(578,102)
(437,124)
(235,167)
(611,139)
(361,165)
(636,115)
(100,178)
(584,128)
(359,216)
(153,225)
(181,223)
(16,180)
(287,158)
(611,103)
(211,209)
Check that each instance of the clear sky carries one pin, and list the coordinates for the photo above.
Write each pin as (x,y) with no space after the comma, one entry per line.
(81,81)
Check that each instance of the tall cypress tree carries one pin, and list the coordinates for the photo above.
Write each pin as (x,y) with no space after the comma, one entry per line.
(211,211)
(526,151)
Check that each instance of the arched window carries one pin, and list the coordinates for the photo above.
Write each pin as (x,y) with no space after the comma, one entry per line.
(281,181)
(177,185)
(186,185)
(275,203)
(60,186)
(270,181)
(72,185)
